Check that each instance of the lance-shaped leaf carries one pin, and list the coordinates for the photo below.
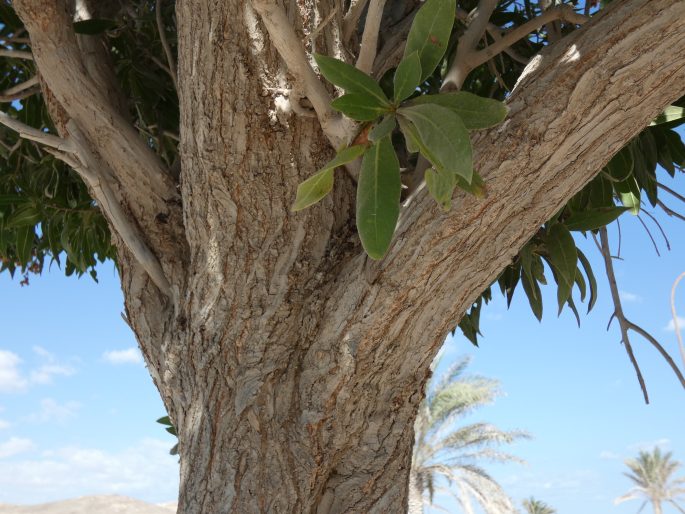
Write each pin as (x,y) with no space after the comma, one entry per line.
(475,111)
(321,183)
(378,198)
(591,279)
(407,77)
(350,79)
(563,257)
(532,290)
(671,113)
(441,185)
(592,219)
(442,138)
(359,107)
(430,33)
(25,236)
(383,129)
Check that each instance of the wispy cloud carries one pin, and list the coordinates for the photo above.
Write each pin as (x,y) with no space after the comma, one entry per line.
(629,297)
(4,424)
(52,411)
(15,446)
(11,379)
(671,324)
(145,470)
(128,356)
(608,455)
(662,443)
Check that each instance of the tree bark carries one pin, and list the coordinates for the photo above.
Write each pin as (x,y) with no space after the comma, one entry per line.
(291,365)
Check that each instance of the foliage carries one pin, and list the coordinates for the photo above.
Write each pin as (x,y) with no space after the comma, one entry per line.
(533,506)
(446,449)
(652,473)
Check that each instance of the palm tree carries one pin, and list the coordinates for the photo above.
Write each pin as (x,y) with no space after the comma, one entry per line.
(652,473)
(533,506)
(443,449)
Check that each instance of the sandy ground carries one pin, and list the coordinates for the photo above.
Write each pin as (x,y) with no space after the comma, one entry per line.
(91,505)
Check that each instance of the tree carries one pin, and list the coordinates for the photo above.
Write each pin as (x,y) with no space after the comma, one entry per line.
(652,473)
(533,506)
(292,364)
(443,449)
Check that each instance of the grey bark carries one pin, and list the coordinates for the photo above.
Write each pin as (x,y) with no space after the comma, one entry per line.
(292,365)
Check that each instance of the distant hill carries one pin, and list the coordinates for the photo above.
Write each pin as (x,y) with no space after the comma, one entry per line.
(111,504)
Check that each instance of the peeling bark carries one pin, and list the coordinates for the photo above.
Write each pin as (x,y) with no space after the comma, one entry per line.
(291,364)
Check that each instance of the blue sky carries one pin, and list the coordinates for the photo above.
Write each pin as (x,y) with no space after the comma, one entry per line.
(78,408)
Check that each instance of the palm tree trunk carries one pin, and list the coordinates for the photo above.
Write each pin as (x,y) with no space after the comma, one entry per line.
(415,503)
(656,505)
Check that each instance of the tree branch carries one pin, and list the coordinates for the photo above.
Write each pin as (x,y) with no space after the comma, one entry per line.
(291,51)
(676,323)
(16,54)
(32,134)
(367,50)
(165,43)
(351,19)
(624,324)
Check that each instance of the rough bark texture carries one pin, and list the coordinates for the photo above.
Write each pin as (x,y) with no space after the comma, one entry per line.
(291,364)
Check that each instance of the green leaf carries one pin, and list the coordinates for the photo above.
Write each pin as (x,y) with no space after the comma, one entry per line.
(407,77)
(532,290)
(620,167)
(350,78)
(671,113)
(25,237)
(629,194)
(430,33)
(383,129)
(359,107)
(601,192)
(165,420)
(591,279)
(410,135)
(25,215)
(442,138)
(476,112)
(441,185)
(526,255)
(476,187)
(592,219)
(321,183)
(313,189)
(94,26)
(378,198)
(563,257)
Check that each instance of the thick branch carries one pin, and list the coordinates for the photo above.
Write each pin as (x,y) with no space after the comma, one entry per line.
(352,17)
(367,50)
(291,51)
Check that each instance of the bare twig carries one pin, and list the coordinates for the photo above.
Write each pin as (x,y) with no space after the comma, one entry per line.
(669,190)
(676,322)
(661,229)
(649,233)
(16,54)
(22,86)
(670,211)
(351,18)
(468,58)
(618,309)
(660,349)
(19,95)
(291,51)
(369,45)
(165,43)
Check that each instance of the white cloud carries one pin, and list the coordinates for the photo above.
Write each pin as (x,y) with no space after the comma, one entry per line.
(4,424)
(54,412)
(15,446)
(671,324)
(145,471)
(607,455)
(11,379)
(629,297)
(128,356)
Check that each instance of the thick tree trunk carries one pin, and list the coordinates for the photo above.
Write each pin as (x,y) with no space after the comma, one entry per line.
(292,365)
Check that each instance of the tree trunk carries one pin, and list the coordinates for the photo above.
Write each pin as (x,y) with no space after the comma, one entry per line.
(291,365)
(656,505)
